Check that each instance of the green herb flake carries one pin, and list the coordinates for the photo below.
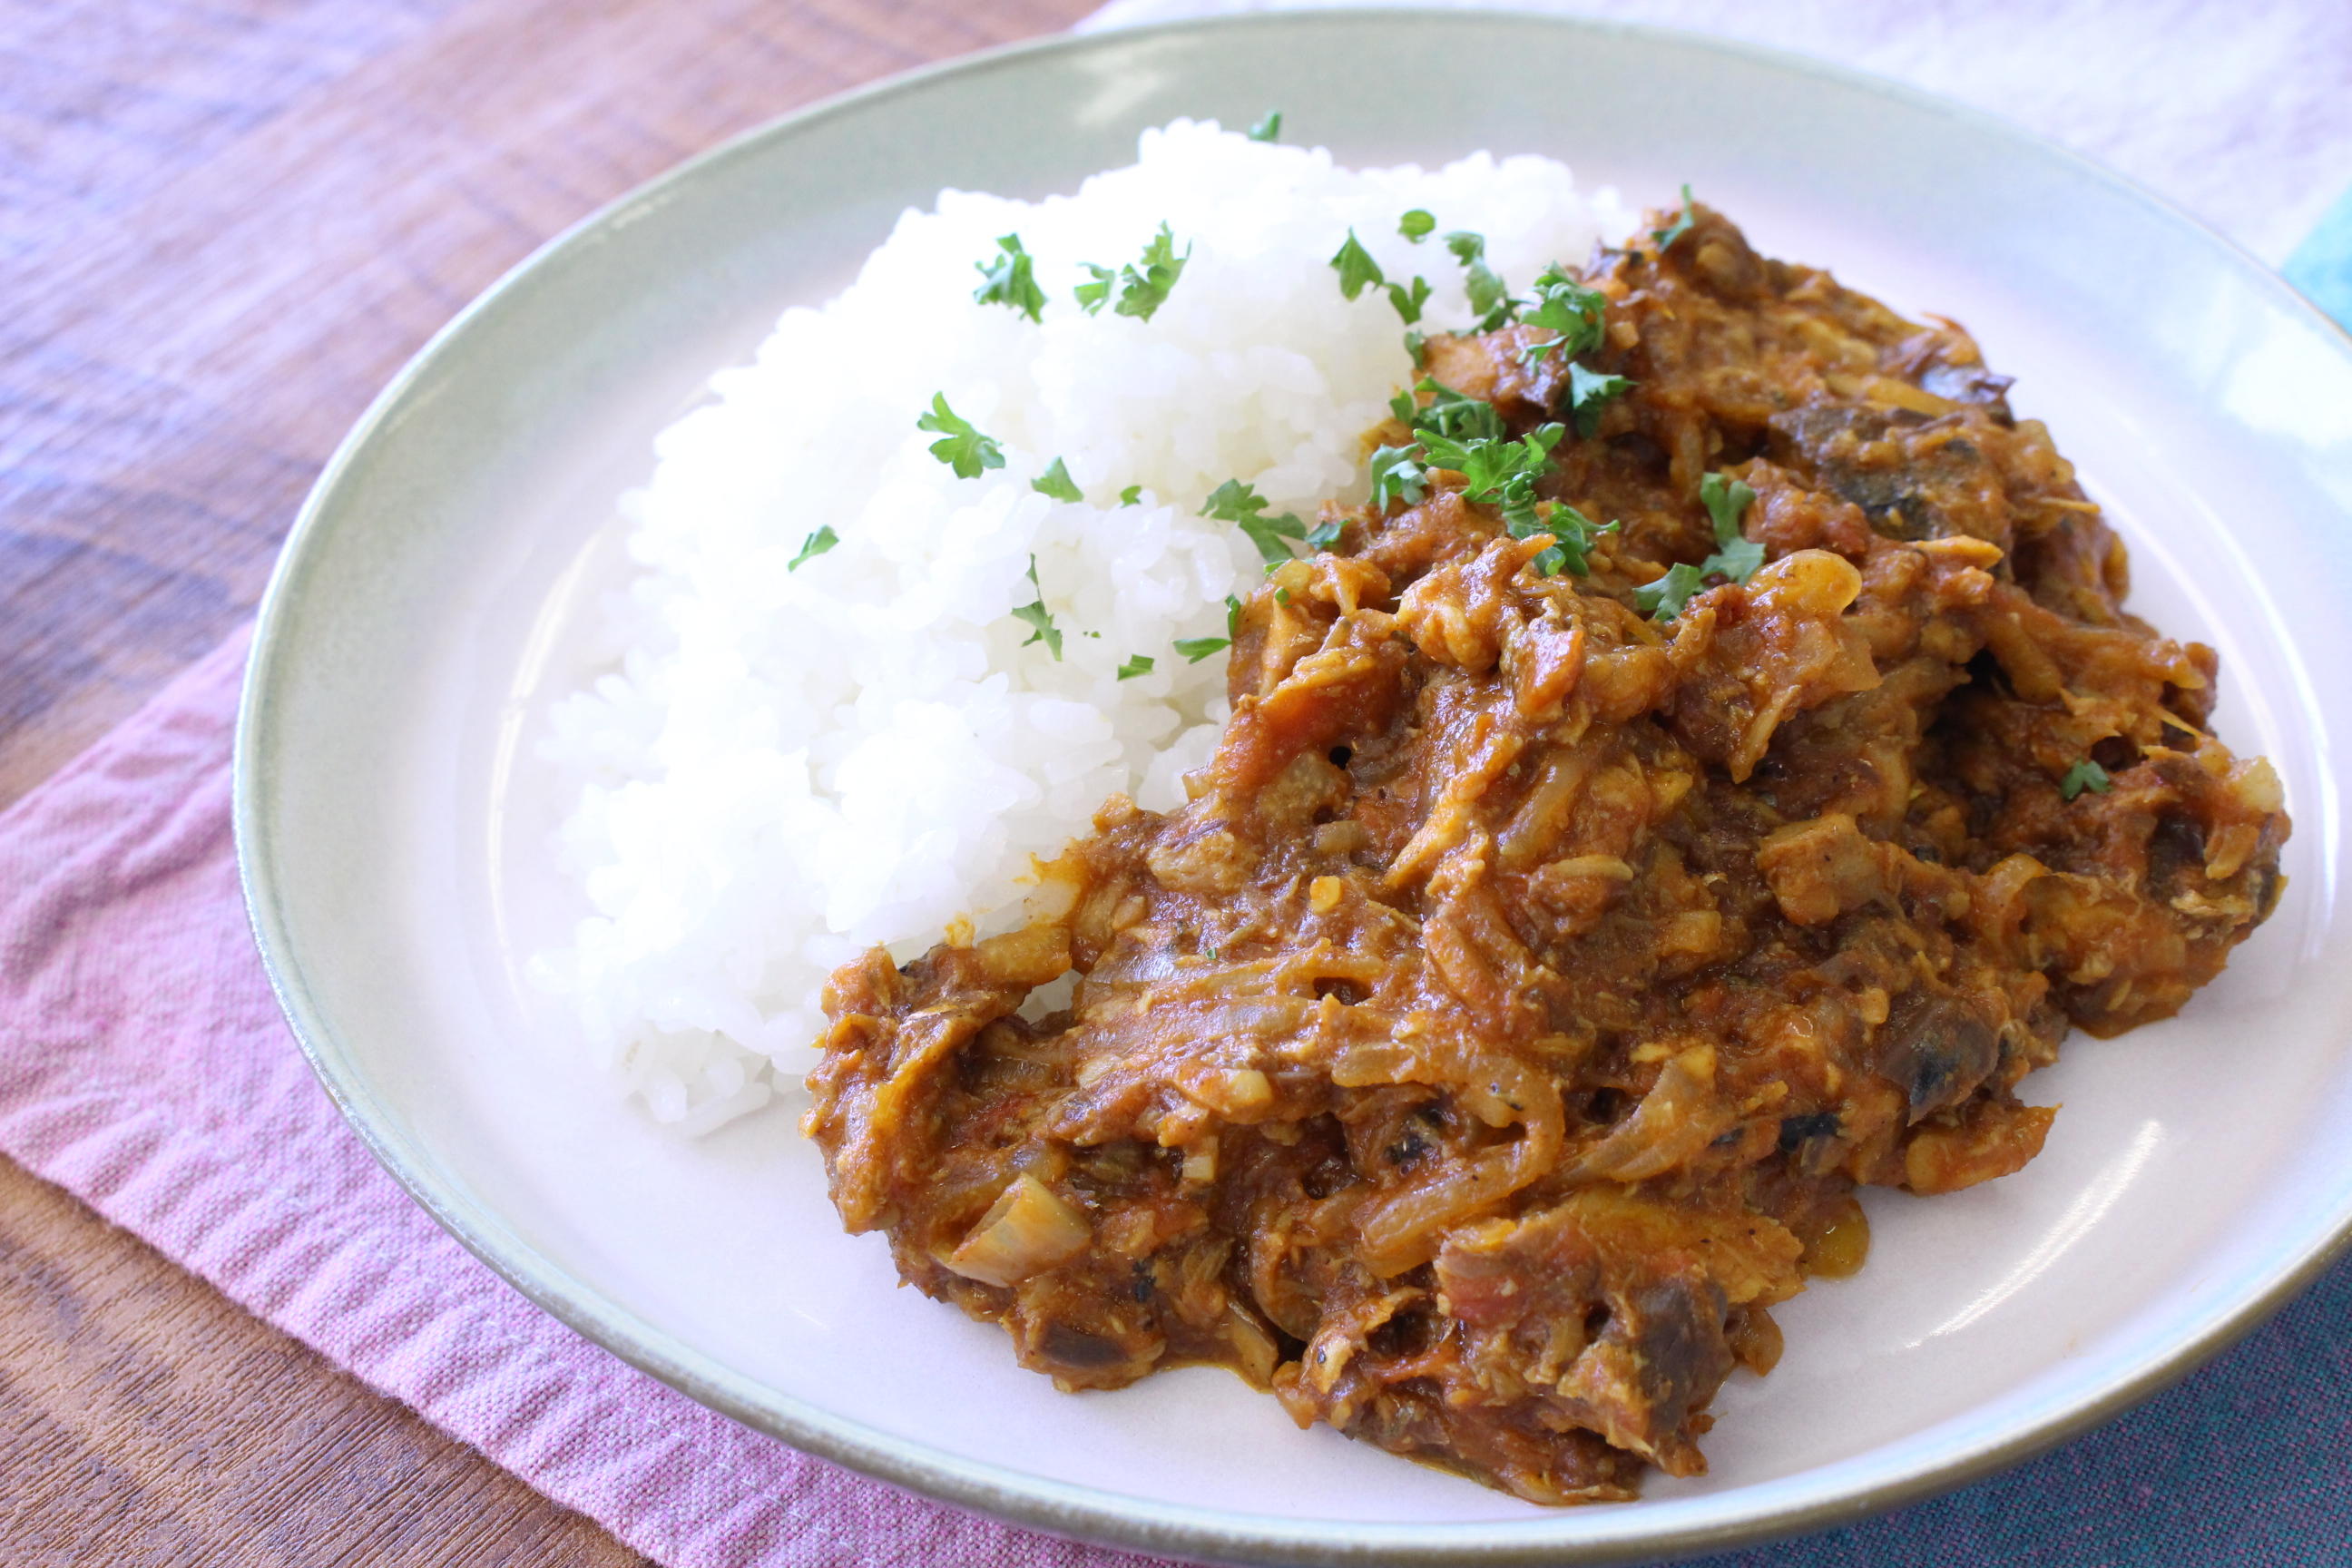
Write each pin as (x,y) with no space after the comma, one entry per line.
(1588,392)
(1047,632)
(1523,517)
(1357,270)
(815,546)
(1409,302)
(1239,504)
(1131,496)
(1736,556)
(1011,279)
(1281,595)
(1091,295)
(1503,474)
(1397,478)
(1034,615)
(961,447)
(1139,664)
(1450,414)
(1268,129)
(1572,534)
(1233,616)
(1325,535)
(1564,306)
(1665,237)
(1195,649)
(1144,284)
(1489,467)
(1417,224)
(2086,774)
(1417,345)
(1488,297)
(1663,599)
(1055,481)
(1736,562)
(1726,501)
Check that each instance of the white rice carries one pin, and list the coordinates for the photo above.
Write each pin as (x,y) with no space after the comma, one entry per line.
(787,767)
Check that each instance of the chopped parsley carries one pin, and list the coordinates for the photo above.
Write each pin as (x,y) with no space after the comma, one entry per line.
(1131,496)
(815,546)
(2086,774)
(1195,649)
(1588,392)
(1488,297)
(1574,314)
(960,448)
(1092,295)
(1011,279)
(1417,345)
(1139,664)
(1055,481)
(1572,534)
(1034,615)
(1487,466)
(1233,616)
(1562,305)
(1448,413)
(1735,556)
(1666,237)
(1238,503)
(1464,433)
(1357,270)
(1397,478)
(1409,302)
(1503,474)
(1143,284)
(1663,599)
(1523,515)
(1268,129)
(1417,224)
(1326,534)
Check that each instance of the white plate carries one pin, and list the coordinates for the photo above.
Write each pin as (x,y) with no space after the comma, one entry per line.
(394,852)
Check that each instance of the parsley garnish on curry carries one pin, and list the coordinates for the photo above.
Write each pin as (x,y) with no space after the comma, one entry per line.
(1716,769)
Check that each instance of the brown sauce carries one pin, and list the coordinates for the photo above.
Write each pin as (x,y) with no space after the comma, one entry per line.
(1505,1025)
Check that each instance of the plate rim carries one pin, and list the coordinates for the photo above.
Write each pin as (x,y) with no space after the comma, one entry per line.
(1089,1512)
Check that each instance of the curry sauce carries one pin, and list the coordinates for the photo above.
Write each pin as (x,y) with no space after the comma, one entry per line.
(1505,1026)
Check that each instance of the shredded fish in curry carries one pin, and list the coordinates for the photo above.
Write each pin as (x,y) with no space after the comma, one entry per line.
(1505,1026)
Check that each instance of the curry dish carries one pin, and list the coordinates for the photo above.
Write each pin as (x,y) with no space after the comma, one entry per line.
(1507,1022)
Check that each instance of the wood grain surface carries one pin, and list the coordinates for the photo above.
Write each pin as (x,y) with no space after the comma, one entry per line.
(144,1419)
(223,223)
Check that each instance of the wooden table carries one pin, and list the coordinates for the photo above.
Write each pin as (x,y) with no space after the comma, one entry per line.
(223,226)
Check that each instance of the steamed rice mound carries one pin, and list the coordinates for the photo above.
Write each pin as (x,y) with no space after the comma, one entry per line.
(785,766)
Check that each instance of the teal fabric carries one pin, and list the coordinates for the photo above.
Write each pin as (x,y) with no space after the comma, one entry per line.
(2322,265)
(2247,1461)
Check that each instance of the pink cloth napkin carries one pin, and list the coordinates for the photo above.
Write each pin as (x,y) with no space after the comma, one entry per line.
(144,1067)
